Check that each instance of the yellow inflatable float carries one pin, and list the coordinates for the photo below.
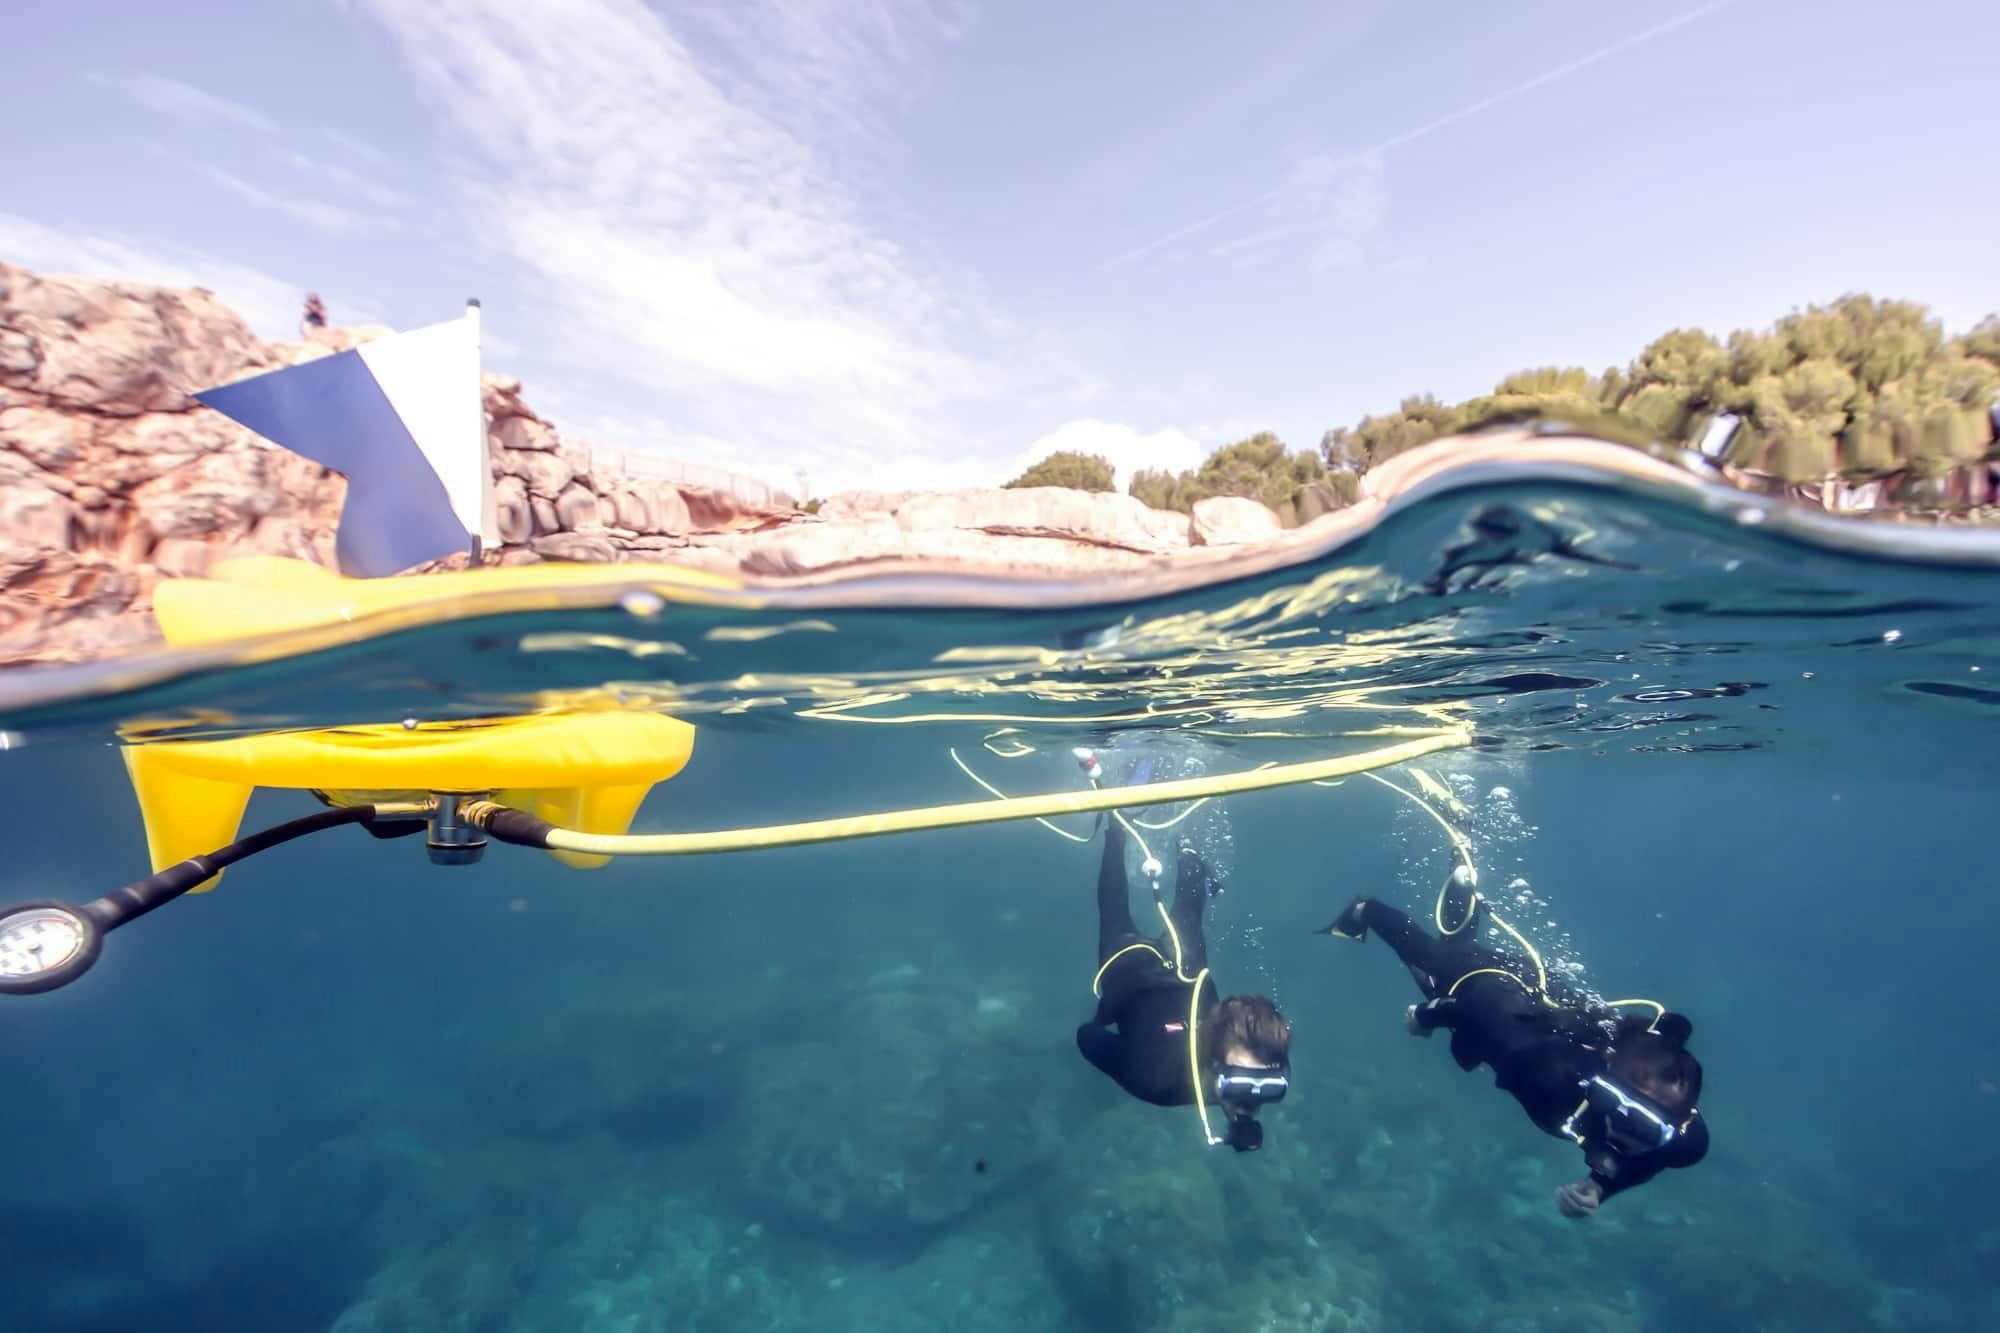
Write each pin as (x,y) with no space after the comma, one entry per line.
(583,770)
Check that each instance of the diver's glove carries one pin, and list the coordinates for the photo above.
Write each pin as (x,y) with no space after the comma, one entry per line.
(1413,1017)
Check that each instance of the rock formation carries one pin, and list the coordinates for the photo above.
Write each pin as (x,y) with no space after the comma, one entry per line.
(112,478)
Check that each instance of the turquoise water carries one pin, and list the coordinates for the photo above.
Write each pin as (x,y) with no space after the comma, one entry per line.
(836,1087)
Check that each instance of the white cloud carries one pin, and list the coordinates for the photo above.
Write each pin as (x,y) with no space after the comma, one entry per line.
(1337,254)
(843,59)
(1333,205)
(825,475)
(270,305)
(686,221)
(1124,446)
(367,152)
(160,93)
(350,185)
(327,217)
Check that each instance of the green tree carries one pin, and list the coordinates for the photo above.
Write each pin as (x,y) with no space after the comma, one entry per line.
(1163,490)
(1983,341)
(1419,420)
(1340,449)
(1259,468)
(1858,388)
(1067,467)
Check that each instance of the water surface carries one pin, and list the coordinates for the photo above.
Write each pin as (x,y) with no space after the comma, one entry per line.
(835,1086)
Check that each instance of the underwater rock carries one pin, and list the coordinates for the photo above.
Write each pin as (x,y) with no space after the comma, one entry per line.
(870,1131)
(1145,1228)
(636,1073)
(1131,1219)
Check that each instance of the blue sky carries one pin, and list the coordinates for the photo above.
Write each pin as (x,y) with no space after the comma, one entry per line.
(913,242)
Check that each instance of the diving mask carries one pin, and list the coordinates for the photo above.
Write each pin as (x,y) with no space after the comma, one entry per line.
(1254,1084)
(1632,1124)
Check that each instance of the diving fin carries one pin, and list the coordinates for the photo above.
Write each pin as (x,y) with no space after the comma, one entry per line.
(1138,775)
(1348,925)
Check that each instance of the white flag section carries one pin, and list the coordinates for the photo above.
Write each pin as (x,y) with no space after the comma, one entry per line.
(431,377)
(402,418)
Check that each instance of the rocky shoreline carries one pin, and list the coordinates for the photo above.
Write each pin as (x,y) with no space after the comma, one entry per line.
(113,478)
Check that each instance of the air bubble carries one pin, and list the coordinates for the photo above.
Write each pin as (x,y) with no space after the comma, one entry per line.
(641,603)
(1891,635)
(1750,517)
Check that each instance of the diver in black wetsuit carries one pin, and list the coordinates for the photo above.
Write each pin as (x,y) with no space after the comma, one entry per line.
(1622,1089)
(1151,991)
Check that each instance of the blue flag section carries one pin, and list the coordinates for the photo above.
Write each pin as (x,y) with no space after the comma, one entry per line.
(401,419)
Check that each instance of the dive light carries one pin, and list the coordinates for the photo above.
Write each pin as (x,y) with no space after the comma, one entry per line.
(45,943)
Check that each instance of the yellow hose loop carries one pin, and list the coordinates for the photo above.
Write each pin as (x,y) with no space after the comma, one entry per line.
(997,794)
(1488,972)
(1463,846)
(1194,1057)
(994,812)
(1174,934)
(1659,1010)
(1097,982)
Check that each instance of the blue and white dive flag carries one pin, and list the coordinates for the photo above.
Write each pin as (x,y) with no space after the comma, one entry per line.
(402,418)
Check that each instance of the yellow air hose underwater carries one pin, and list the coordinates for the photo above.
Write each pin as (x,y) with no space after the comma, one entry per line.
(515,826)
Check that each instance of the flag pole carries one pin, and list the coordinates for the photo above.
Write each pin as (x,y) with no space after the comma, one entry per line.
(487,516)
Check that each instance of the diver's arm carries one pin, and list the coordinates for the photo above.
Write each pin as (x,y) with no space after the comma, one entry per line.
(1433,1014)
(1688,1147)
(1102,1047)
(1631,1173)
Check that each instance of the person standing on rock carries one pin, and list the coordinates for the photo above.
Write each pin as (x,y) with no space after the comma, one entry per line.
(315,314)
(1159,1031)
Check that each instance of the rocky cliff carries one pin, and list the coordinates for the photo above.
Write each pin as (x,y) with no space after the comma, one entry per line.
(112,478)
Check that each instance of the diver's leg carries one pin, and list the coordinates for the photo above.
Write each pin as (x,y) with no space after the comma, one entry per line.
(1428,957)
(1114,901)
(1195,883)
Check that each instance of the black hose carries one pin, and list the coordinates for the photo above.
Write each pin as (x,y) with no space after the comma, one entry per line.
(518,827)
(162,887)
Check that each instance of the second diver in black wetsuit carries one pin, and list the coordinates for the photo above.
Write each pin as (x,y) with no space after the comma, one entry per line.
(1621,1088)
(1159,1030)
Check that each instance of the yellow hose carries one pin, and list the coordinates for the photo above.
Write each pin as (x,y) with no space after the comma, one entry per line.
(984,812)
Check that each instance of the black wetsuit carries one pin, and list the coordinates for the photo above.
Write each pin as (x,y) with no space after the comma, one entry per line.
(1139,1035)
(1540,1054)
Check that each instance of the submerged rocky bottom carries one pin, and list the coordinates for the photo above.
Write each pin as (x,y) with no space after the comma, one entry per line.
(605,1171)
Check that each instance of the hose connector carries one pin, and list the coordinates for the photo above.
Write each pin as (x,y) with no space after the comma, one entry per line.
(453,839)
